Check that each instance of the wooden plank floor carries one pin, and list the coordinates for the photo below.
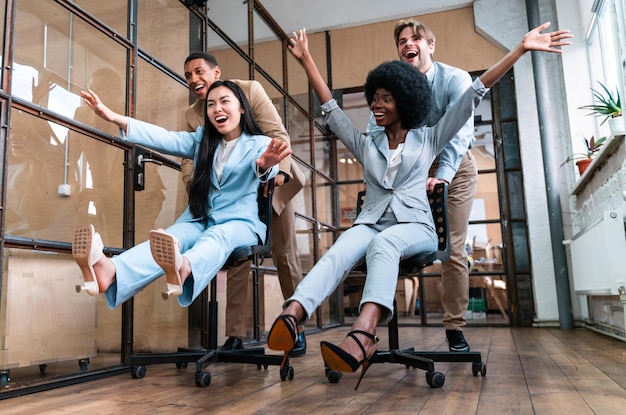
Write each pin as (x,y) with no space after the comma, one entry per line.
(529,371)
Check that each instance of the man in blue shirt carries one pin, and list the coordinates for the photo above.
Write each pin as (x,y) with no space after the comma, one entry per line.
(455,165)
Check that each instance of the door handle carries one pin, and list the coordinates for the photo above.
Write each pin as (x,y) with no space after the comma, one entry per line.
(140,171)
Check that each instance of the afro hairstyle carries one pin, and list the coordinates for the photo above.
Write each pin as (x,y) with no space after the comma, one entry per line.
(408,87)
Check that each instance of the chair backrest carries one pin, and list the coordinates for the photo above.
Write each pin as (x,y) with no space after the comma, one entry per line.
(263,250)
(438,201)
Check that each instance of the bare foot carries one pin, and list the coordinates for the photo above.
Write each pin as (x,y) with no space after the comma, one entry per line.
(105,273)
(185,270)
(350,346)
(367,321)
(295,309)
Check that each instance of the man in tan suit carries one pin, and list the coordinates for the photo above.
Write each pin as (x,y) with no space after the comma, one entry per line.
(201,70)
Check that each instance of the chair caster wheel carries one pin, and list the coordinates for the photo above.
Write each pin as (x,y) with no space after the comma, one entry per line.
(333,376)
(138,372)
(480,367)
(435,379)
(286,373)
(182,365)
(202,379)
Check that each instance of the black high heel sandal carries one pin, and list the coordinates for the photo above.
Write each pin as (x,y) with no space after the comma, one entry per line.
(283,335)
(338,359)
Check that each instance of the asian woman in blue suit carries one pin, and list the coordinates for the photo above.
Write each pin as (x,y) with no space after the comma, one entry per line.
(395,220)
(232,158)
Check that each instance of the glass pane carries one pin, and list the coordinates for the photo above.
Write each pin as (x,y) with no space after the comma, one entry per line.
(324,201)
(484,243)
(508,103)
(483,148)
(159,326)
(66,332)
(355,107)
(162,201)
(110,86)
(232,18)
(268,51)
(322,158)
(304,236)
(347,203)
(520,246)
(303,202)
(488,302)
(299,128)
(483,113)
(329,310)
(233,66)
(525,307)
(70,180)
(432,295)
(486,205)
(298,81)
(56,55)
(348,168)
(161,99)
(163,30)
(114,13)
(516,195)
(510,142)
(96,177)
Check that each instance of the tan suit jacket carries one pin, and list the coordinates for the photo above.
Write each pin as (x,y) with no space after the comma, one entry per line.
(272,126)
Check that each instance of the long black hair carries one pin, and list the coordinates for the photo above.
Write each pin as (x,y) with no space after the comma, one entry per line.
(408,87)
(201,184)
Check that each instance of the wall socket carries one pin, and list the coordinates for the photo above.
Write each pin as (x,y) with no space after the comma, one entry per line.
(65,190)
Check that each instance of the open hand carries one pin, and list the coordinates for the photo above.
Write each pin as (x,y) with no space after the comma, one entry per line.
(273,154)
(93,101)
(298,43)
(547,42)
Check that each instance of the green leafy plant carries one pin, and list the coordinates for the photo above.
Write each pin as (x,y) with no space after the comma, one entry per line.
(607,104)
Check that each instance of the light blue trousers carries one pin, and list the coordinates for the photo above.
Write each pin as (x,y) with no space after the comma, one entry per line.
(206,249)
(383,245)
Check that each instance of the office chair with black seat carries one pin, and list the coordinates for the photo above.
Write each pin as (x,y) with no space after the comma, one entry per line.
(209,321)
(410,267)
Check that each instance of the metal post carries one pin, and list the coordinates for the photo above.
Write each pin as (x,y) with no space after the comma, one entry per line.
(548,130)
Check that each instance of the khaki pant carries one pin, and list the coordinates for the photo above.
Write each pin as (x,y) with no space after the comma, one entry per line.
(287,260)
(454,272)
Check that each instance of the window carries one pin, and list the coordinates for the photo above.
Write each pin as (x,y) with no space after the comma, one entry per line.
(606,42)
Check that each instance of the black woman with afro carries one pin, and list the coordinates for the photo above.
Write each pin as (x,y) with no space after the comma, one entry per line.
(395,221)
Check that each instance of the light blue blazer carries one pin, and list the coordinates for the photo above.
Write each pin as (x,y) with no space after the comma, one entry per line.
(407,194)
(235,196)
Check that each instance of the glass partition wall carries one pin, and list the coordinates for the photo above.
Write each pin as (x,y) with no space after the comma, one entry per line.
(63,167)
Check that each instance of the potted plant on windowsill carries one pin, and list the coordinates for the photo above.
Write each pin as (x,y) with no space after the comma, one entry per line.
(608,105)
(584,159)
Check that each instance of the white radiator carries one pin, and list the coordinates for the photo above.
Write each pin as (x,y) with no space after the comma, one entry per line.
(599,256)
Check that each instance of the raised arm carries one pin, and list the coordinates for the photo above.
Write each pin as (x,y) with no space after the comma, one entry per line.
(533,40)
(299,47)
(93,101)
